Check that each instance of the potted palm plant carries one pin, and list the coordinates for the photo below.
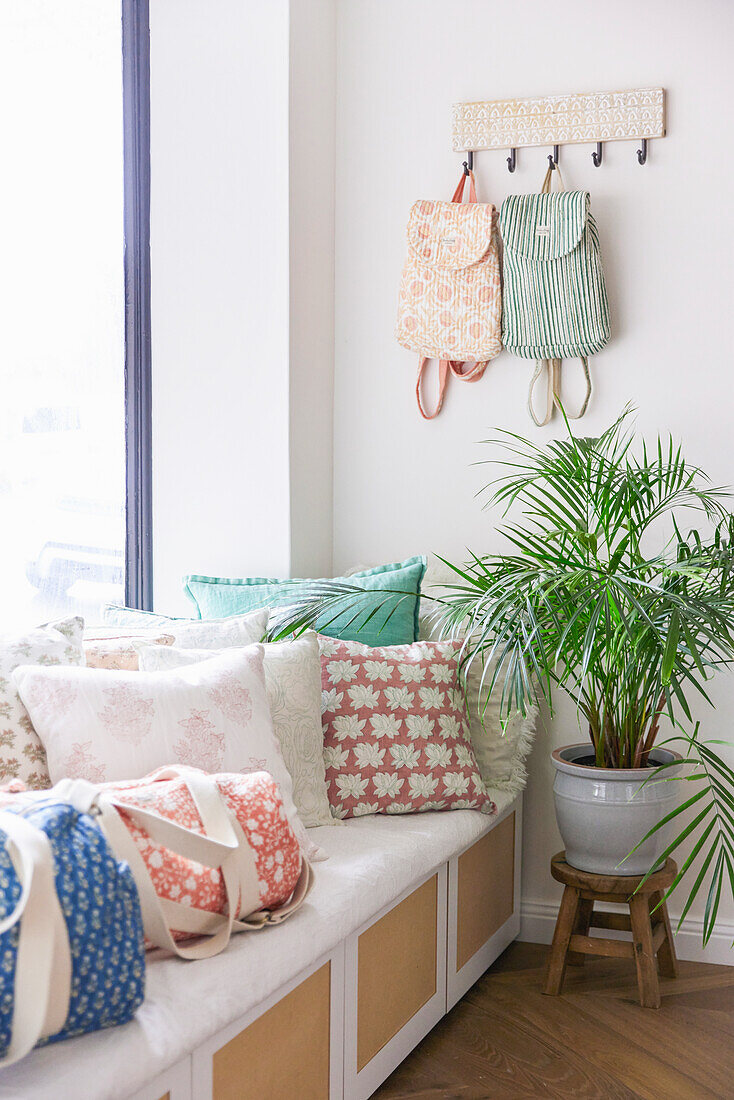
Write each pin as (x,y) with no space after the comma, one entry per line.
(609,596)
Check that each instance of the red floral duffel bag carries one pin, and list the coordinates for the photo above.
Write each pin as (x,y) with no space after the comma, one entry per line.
(210,854)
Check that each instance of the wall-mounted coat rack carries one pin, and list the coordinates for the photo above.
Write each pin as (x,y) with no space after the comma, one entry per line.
(558,120)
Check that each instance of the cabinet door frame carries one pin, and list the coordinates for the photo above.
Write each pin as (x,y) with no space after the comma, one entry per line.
(360,1084)
(202,1058)
(459,981)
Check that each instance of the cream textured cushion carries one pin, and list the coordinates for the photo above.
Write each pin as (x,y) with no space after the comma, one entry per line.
(104,725)
(500,756)
(293,682)
(21,752)
(193,633)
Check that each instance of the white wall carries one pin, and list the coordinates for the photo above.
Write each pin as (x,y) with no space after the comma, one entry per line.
(312,153)
(220,299)
(402,485)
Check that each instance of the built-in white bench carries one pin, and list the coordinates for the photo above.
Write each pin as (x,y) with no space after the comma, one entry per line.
(404,917)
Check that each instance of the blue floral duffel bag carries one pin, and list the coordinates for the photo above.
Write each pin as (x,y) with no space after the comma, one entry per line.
(72,957)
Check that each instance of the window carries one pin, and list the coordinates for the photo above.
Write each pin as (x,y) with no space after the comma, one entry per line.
(64,471)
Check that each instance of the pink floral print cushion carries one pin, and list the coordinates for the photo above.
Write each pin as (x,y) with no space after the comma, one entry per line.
(395,735)
(105,725)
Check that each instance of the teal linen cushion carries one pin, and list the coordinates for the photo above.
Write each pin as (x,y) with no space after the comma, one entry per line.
(376,619)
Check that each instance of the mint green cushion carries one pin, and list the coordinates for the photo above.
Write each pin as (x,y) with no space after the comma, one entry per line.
(394,622)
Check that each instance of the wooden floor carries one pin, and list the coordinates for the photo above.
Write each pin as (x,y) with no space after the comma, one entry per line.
(507,1041)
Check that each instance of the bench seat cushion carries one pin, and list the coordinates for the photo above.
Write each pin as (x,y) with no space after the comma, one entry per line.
(373,860)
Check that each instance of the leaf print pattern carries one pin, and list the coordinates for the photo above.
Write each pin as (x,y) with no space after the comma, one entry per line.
(395,733)
(405,756)
(364,695)
(385,725)
(387,784)
(399,698)
(341,671)
(128,713)
(432,698)
(368,755)
(419,725)
(412,674)
(203,745)
(377,670)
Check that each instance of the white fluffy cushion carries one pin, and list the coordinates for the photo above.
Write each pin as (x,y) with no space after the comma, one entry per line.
(21,752)
(500,756)
(190,633)
(293,681)
(105,725)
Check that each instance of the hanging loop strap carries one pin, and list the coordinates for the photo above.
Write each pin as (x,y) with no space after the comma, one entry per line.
(466,372)
(548,181)
(553,398)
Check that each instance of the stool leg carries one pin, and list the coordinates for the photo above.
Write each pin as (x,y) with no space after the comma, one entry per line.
(667,959)
(581,928)
(647,971)
(564,929)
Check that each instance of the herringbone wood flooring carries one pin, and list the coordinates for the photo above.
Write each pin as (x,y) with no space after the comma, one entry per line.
(505,1040)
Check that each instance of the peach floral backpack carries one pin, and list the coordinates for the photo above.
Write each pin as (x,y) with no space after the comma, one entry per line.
(450,296)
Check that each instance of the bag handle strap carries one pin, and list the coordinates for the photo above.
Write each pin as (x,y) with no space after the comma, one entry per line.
(225,846)
(463,371)
(42,986)
(546,188)
(553,398)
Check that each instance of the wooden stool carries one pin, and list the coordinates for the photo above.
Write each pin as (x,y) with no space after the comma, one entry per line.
(651,933)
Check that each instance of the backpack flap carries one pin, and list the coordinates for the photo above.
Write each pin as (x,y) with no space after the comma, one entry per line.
(544,227)
(449,235)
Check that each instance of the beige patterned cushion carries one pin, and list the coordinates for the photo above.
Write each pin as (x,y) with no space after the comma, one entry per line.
(500,756)
(120,652)
(22,756)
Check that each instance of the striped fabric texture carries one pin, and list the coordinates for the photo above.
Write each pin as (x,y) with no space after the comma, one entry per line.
(554,299)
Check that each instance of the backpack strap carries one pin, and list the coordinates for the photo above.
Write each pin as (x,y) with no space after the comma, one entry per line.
(466,372)
(553,366)
(553,399)
(456,367)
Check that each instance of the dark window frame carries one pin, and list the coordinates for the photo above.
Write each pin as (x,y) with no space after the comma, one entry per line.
(138,395)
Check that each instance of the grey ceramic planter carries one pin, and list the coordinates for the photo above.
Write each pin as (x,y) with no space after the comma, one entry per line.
(603,813)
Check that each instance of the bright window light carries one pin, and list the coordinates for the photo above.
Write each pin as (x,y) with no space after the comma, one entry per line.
(62,351)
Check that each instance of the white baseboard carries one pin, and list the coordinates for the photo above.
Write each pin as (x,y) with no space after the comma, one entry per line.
(538,919)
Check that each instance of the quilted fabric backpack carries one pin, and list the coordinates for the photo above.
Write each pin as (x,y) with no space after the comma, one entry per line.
(450,294)
(71,930)
(554,300)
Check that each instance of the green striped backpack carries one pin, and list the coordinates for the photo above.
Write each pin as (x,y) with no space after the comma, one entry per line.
(554,302)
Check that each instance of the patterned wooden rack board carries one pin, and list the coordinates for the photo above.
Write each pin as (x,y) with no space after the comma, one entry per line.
(559,120)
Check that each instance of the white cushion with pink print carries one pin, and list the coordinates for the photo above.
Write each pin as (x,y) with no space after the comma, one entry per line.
(105,725)
(395,735)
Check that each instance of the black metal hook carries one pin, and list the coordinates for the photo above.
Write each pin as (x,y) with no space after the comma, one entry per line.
(553,160)
(642,153)
(512,160)
(469,162)
(598,156)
